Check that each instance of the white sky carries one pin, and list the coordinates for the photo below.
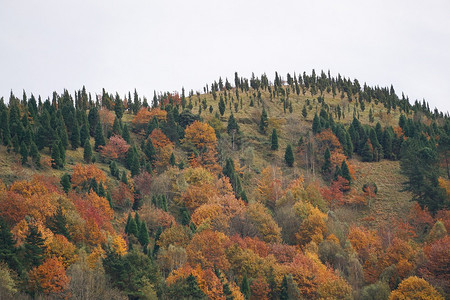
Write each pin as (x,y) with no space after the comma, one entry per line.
(164,45)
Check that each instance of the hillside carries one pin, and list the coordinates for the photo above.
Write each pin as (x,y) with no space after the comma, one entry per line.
(291,189)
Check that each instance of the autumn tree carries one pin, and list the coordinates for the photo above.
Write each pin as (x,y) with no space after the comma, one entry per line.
(48,278)
(415,288)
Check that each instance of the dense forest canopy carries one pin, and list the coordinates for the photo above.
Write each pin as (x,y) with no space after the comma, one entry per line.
(304,187)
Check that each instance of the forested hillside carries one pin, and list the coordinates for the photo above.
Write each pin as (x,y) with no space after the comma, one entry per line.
(304,187)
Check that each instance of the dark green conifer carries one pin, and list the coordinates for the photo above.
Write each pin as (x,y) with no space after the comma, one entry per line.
(99,137)
(56,156)
(289,156)
(245,287)
(87,152)
(263,122)
(221,106)
(34,247)
(143,234)
(274,140)
(172,160)
(346,172)
(24,152)
(65,182)
(126,133)
(75,136)
(35,155)
(327,163)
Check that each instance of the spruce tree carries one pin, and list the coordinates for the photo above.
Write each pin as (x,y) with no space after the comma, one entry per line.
(101,190)
(124,178)
(35,155)
(127,226)
(232,125)
(117,129)
(99,137)
(84,133)
(56,156)
(75,136)
(172,160)
(87,152)
(221,106)
(118,107)
(132,227)
(126,133)
(366,151)
(58,223)
(284,294)
(274,140)
(245,287)
(345,172)
(65,182)
(149,150)
(62,152)
(34,247)
(263,122)
(24,152)
(304,112)
(143,234)
(8,252)
(289,156)
(316,127)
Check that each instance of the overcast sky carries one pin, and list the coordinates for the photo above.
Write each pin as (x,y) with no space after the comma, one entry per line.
(164,45)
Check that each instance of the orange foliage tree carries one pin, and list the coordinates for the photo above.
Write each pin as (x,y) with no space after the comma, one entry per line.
(116,148)
(259,289)
(141,119)
(268,229)
(269,186)
(415,288)
(82,174)
(50,278)
(207,248)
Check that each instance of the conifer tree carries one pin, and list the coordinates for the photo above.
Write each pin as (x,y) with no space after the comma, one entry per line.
(143,234)
(235,181)
(58,223)
(124,178)
(264,122)
(62,152)
(345,172)
(316,127)
(245,287)
(87,152)
(126,133)
(118,107)
(172,160)
(133,161)
(65,182)
(35,155)
(284,294)
(84,133)
(326,164)
(8,252)
(24,152)
(289,156)
(75,136)
(99,137)
(221,106)
(34,247)
(56,156)
(117,129)
(274,140)
(304,112)
(101,190)
(132,227)
(366,151)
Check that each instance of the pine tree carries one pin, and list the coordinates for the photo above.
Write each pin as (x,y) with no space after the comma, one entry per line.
(84,133)
(264,122)
(24,152)
(289,156)
(58,223)
(118,107)
(56,156)
(221,106)
(193,291)
(143,234)
(304,112)
(99,137)
(235,181)
(127,226)
(316,127)
(126,133)
(366,152)
(132,227)
(345,172)
(87,152)
(62,153)
(327,163)
(65,182)
(117,129)
(35,155)
(34,247)
(245,287)
(8,252)
(149,150)
(172,160)
(75,137)
(101,190)
(274,140)
(232,124)
(133,161)
(124,178)
(284,294)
